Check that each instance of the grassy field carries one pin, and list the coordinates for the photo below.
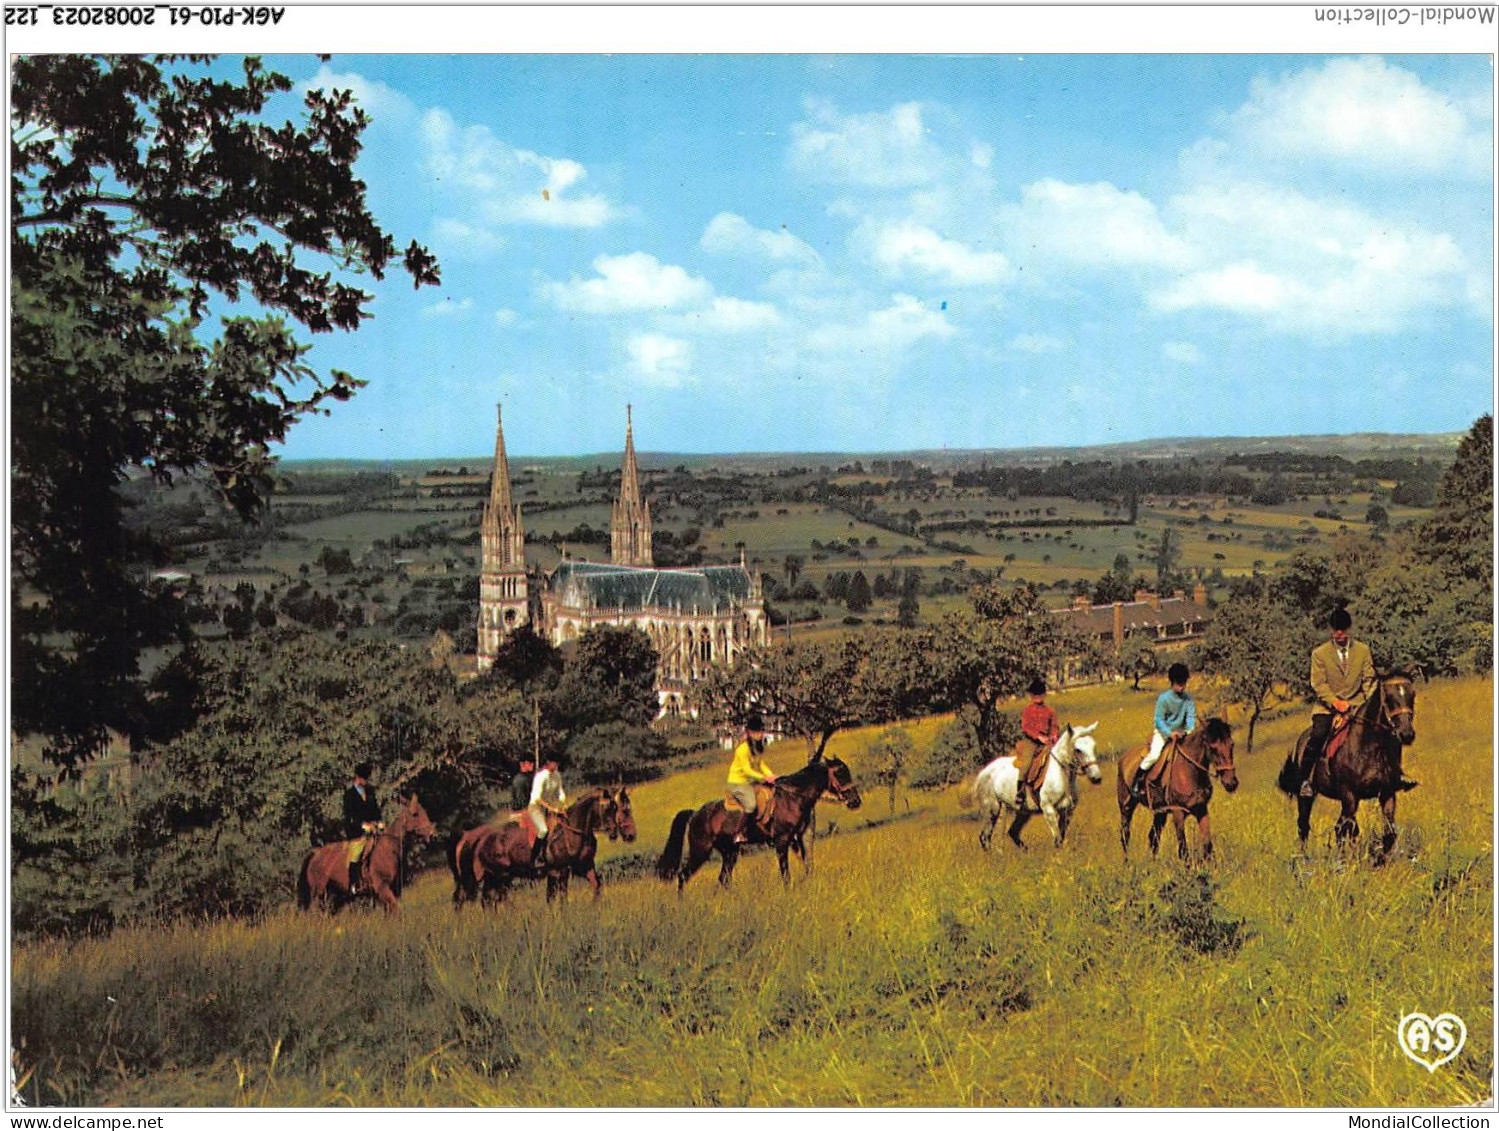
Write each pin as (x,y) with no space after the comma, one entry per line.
(908,968)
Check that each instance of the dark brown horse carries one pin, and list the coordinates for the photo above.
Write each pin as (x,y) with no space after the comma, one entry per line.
(324,875)
(1366,767)
(487,860)
(1185,789)
(712,826)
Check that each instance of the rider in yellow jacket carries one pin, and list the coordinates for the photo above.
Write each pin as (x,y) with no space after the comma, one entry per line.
(747,768)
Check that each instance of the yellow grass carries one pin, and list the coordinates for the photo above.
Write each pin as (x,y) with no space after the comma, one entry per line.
(908,968)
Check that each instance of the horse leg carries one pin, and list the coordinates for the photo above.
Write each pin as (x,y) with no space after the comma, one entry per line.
(592,876)
(697,856)
(1391,830)
(1205,834)
(1126,816)
(1064,818)
(986,832)
(781,851)
(1054,822)
(1179,820)
(729,852)
(1021,817)
(1157,823)
(1347,826)
(387,898)
(1304,818)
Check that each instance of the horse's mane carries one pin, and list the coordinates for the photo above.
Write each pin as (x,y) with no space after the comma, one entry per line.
(1217,730)
(807,775)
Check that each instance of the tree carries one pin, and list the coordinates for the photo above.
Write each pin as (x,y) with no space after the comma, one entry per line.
(909,608)
(982,657)
(814,689)
(610,677)
(1459,537)
(1258,646)
(859,597)
(1116,585)
(145,194)
(953,756)
(888,755)
(793,568)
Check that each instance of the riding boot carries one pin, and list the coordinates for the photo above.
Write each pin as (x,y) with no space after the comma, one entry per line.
(1137,787)
(1309,758)
(354,877)
(538,850)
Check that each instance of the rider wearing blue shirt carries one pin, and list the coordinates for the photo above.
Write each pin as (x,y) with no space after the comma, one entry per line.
(1175,716)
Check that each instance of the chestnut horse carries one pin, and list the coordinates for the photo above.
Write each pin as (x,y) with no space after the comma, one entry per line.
(324,875)
(712,826)
(1367,765)
(1186,787)
(486,860)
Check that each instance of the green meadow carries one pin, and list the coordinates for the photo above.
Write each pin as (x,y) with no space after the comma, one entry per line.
(908,967)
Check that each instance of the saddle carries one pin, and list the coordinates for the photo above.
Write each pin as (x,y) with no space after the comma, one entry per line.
(1155,777)
(764,801)
(1338,738)
(1037,773)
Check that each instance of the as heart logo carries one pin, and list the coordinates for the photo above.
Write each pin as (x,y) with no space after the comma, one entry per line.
(1432,1041)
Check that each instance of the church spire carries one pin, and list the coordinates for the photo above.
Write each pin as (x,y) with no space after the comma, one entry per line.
(630,522)
(504,589)
(499,483)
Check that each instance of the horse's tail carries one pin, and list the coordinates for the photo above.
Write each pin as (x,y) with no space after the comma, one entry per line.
(671,856)
(304,885)
(1289,781)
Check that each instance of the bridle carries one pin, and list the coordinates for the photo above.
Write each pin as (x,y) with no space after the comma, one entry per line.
(1386,719)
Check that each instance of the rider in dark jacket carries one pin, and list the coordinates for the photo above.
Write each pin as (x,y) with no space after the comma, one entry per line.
(361,816)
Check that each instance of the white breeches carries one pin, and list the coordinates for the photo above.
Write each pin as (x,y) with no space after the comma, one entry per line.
(538,818)
(1157,744)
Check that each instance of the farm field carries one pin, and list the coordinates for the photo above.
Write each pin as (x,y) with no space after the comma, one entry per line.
(908,968)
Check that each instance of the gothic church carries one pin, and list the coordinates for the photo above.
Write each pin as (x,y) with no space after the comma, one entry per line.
(697,618)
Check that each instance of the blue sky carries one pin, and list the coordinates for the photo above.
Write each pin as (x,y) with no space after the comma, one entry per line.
(885,252)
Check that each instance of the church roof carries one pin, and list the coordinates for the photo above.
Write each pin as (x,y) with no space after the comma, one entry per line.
(606,586)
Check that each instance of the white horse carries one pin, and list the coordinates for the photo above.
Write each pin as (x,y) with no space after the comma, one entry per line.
(994,788)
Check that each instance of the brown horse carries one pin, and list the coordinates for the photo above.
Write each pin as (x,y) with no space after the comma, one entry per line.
(487,860)
(1367,766)
(1186,787)
(324,875)
(712,826)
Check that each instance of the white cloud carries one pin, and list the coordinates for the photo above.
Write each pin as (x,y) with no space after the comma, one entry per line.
(1367,112)
(1036,343)
(909,247)
(447,308)
(901,324)
(732,316)
(728,233)
(659,360)
(1308,264)
(1094,225)
(506,317)
(878,150)
(627,283)
(1184,352)
(505,185)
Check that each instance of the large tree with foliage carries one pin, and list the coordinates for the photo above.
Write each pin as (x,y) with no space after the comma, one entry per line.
(987,655)
(814,689)
(1258,647)
(167,244)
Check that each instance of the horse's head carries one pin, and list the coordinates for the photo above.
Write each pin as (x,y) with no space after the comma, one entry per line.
(1218,740)
(1397,705)
(618,815)
(1085,751)
(414,820)
(841,783)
